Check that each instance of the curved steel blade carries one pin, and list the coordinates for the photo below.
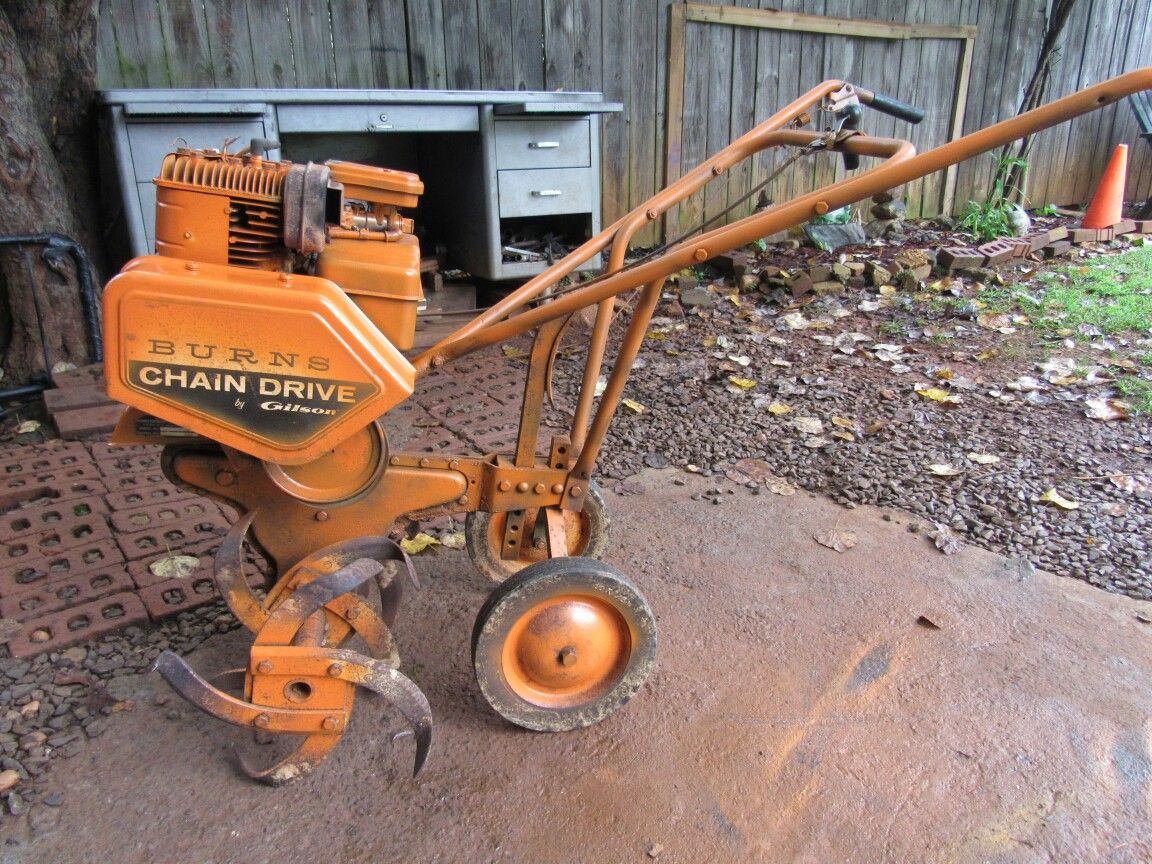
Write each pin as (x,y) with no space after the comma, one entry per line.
(188,684)
(296,764)
(228,569)
(310,597)
(398,689)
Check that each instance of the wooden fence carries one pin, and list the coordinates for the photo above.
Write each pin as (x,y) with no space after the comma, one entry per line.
(730,69)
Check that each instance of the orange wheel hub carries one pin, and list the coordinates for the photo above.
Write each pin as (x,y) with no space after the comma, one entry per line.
(566,651)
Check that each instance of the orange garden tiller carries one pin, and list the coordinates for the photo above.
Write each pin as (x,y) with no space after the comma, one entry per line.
(263,346)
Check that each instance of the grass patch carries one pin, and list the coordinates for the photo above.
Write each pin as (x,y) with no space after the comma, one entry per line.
(1137,392)
(1113,294)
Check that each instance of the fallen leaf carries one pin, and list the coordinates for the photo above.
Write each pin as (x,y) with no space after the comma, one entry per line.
(175,566)
(601,385)
(656,335)
(944,397)
(453,540)
(841,541)
(740,359)
(513,351)
(843,423)
(983,458)
(843,435)
(1133,484)
(419,543)
(27,426)
(779,486)
(1055,498)
(1105,409)
(758,471)
(1115,508)
(945,540)
(742,383)
(808,425)
(779,408)
(943,469)
(633,406)
(993,320)
(817,441)
(796,321)
(875,426)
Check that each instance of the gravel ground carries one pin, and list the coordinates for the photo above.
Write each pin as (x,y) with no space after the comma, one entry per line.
(54,701)
(1001,406)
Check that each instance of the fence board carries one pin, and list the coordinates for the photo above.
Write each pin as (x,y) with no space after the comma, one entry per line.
(273,63)
(496,26)
(388,29)
(428,65)
(183,24)
(230,43)
(353,44)
(462,46)
(527,44)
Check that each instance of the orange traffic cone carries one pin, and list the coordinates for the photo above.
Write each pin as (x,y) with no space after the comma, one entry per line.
(1104,211)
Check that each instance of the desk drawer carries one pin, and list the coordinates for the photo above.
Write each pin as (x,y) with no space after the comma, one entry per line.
(543,144)
(544,192)
(380,117)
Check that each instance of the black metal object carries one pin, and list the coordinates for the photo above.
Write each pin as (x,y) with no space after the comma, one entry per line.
(55,246)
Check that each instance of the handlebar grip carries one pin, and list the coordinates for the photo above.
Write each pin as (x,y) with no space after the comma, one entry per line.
(894,107)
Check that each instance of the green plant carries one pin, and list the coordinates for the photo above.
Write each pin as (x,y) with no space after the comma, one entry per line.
(992,219)
(1137,392)
(1047,210)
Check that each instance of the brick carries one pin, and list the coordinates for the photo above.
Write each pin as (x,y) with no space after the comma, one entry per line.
(205,550)
(157,493)
(169,512)
(78,624)
(103,451)
(45,516)
(1037,240)
(83,376)
(81,422)
(130,463)
(65,452)
(996,252)
(1090,235)
(140,480)
(1143,226)
(960,258)
(84,487)
(1124,226)
(172,537)
(1053,250)
(69,532)
(1020,247)
(1058,233)
(41,569)
(65,593)
(173,596)
(85,396)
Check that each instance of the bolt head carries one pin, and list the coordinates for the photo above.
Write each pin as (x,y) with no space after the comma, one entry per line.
(330,724)
(557,488)
(539,488)
(262,721)
(264,667)
(522,486)
(335,670)
(321,515)
(577,491)
(505,485)
(225,478)
(567,656)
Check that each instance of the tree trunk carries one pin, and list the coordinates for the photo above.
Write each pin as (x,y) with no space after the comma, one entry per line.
(47,167)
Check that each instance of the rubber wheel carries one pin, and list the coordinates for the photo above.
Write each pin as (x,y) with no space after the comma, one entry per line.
(588,534)
(562,644)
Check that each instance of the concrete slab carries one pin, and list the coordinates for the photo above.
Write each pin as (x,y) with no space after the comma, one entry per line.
(802,709)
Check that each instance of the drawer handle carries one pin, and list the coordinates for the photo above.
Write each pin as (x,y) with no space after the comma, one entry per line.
(546,193)
(543,145)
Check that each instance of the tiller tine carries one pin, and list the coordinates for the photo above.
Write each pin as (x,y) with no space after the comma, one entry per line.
(298,680)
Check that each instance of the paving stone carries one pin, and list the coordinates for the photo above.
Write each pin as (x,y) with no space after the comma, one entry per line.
(33,572)
(164,513)
(171,537)
(62,593)
(78,624)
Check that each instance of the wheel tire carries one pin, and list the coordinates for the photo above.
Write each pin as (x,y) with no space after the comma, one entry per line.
(562,644)
(484,532)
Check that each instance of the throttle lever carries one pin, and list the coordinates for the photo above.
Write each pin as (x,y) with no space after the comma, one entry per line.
(891,106)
